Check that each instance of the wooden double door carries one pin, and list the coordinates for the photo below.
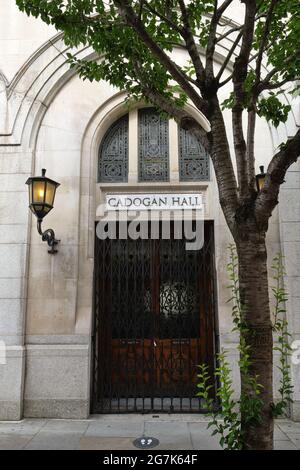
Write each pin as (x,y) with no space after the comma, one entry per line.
(153,323)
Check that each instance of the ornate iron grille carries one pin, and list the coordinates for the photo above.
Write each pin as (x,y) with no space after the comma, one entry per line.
(193,158)
(153,132)
(113,154)
(153,324)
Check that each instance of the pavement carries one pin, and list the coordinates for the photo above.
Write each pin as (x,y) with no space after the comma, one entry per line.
(117,432)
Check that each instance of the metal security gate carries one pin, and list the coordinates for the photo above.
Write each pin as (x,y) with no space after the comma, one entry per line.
(153,323)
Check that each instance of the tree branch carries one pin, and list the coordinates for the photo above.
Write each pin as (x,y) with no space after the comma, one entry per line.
(229,55)
(264,39)
(223,7)
(241,63)
(191,45)
(273,86)
(240,71)
(236,28)
(267,199)
(240,148)
(225,35)
(164,18)
(231,51)
(250,147)
(166,105)
(129,16)
(266,81)
(223,166)
(211,44)
(228,79)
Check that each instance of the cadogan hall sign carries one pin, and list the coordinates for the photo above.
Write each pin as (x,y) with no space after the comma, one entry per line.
(161,201)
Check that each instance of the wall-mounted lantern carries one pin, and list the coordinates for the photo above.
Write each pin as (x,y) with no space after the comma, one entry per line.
(41,199)
(260,179)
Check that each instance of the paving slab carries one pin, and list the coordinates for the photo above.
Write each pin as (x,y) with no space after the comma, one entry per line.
(106,443)
(112,428)
(171,434)
(289,427)
(25,427)
(174,444)
(201,437)
(166,427)
(65,425)
(13,441)
(284,445)
(279,435)
(296,442)
(54,441)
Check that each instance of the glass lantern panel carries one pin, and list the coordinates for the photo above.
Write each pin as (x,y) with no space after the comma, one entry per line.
(261,182)
(50,193)
(38,191)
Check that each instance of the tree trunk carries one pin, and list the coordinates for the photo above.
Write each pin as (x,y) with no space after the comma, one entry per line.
(253,279)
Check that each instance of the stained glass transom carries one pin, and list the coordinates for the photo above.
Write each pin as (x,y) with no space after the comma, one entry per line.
(193,158)
(153,138)
(113,156)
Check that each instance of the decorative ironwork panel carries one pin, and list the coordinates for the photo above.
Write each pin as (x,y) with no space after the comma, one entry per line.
(193,158)
(113,155)
(153,324)
(153,131)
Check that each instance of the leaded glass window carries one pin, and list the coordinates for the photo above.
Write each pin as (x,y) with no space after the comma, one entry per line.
(193,158)
(113,155)
(153,138)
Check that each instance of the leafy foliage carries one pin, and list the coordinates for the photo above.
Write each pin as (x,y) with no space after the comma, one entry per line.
(226,423)
(100,24)
(273,110)
(280,326)
(282,45)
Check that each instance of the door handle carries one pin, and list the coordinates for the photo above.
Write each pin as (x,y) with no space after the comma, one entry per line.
(180,341)
(130,342)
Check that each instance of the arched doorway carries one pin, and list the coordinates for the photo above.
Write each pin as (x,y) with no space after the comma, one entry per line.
(154,301)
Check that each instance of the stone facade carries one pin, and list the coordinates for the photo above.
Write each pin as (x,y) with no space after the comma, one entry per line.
(50,118)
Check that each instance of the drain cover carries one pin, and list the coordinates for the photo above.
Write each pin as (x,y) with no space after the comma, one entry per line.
(146,442)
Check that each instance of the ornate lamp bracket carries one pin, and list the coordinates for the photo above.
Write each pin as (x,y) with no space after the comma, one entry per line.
(48,236)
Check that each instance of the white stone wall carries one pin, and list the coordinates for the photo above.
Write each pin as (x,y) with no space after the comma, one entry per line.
(16,46)
(50,118)
(289,210)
